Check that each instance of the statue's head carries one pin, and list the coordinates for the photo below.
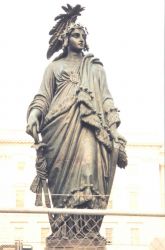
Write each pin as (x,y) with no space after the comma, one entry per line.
(67,34)
(74,38)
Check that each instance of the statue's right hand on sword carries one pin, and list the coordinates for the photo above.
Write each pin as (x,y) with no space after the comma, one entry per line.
(33,124)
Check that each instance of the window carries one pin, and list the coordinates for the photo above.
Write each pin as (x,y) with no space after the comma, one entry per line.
(135,236)
(21,165)
(109,234)
(110,204)
(20,197)
(133,200)
(44,234)
(19,231)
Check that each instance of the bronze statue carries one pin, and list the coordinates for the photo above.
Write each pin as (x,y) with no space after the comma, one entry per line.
(75,114)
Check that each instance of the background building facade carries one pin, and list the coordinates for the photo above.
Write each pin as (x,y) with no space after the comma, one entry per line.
(139,188)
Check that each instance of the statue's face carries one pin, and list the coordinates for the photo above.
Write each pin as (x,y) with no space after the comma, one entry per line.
(77,40)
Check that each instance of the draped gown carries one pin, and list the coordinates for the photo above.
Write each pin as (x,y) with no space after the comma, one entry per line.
(77,113)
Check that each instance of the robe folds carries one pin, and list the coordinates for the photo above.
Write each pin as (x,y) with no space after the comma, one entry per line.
(77,114)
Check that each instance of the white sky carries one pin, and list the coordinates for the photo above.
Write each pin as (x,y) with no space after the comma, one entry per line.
(127,36)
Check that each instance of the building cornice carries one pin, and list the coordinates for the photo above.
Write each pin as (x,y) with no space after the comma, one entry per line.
(133,140)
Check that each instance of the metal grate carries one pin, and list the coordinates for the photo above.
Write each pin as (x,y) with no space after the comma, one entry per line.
(76,231)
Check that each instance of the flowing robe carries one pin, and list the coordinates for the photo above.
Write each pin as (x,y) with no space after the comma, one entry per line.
(77,114)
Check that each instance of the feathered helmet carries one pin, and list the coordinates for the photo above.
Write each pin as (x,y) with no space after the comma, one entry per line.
(65,25)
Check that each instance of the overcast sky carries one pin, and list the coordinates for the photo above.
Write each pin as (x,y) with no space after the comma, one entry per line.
(127,36)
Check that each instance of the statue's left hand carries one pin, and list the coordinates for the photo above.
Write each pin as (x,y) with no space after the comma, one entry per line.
(117,137)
